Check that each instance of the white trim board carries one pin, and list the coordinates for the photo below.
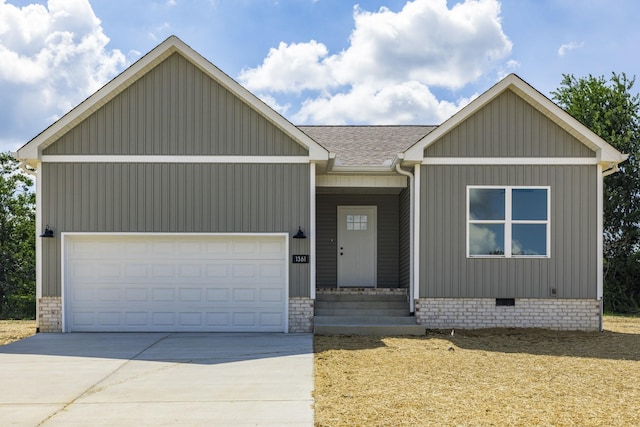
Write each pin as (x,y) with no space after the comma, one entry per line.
(510,161)
(173,159)
(605,152)
(375,181)
(33,149)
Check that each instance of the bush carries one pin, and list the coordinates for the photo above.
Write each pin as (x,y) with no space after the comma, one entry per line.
(18,307)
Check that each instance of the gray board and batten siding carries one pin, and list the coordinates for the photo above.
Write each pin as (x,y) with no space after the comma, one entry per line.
(388,237)
(445,270)
(175,110)
(175,198)
(508,126)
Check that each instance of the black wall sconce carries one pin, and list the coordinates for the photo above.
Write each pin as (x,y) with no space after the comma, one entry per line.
(47,232)
(300,234)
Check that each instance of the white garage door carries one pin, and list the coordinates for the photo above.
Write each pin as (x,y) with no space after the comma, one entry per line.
(175,283)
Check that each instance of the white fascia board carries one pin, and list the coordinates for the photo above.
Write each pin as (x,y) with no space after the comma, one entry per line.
(605,151)
(415,152)
(370,170)
(173,159)
(33,149)
(510,161)
(316,151)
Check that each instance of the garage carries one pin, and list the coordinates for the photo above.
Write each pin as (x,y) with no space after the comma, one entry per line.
(175,283)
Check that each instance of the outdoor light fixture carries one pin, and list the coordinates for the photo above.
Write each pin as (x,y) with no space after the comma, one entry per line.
(47,232)
(300,234)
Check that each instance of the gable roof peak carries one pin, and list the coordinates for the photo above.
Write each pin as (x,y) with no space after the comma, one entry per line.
(607,154)
(32,150)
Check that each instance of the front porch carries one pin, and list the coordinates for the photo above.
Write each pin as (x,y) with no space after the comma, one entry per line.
(364,311)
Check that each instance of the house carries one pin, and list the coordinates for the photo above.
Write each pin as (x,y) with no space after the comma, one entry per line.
(173,199)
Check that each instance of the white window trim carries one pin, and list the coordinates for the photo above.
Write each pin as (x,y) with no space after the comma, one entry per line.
(508,221)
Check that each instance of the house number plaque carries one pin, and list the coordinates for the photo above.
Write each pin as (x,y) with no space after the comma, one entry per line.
(301,259)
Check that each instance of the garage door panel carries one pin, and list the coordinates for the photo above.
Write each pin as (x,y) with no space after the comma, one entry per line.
(136,294)
(173,283)
(190,295)
(136,319)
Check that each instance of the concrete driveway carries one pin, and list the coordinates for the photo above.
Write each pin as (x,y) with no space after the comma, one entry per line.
(185,379)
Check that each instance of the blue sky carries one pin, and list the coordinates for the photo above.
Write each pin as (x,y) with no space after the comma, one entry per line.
(314,61)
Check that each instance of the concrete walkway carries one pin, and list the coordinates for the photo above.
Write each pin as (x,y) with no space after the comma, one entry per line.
(186,379)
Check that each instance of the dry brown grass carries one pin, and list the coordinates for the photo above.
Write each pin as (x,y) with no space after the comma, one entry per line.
(495,377)
(14,330)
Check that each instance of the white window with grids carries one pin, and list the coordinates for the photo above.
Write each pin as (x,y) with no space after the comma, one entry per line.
(357,222)
(508,221)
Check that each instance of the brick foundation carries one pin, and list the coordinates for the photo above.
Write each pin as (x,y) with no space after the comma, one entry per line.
(471,313)
(300,315)
(50,314)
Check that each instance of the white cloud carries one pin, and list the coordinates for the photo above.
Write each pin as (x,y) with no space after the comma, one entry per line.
(273,103)
(51,58)
(405,102)
(569,46)
(291,68)
(482,240)
(392,61)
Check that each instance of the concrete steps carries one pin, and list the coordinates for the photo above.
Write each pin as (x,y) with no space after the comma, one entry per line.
(364,314)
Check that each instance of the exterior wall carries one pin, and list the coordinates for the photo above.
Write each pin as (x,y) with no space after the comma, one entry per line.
(174,198)
(566,314)
(300,315)
(50,314)
(405,241)
(508,127)
(327,236)
(176,109)
(446,272)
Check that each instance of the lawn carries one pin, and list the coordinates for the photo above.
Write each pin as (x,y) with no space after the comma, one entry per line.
(14,330)
(497,377)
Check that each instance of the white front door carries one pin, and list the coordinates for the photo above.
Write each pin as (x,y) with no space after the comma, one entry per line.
(357,246)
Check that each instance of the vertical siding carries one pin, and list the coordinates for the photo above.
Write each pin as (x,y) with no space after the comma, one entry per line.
(387,236)
(176,109)
(405,230)
(178,198)
(446,272)
(508,127)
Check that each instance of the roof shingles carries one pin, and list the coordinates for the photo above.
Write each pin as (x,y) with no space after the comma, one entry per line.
(366,145)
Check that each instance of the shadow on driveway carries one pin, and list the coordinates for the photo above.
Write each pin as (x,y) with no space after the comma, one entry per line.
(203,348)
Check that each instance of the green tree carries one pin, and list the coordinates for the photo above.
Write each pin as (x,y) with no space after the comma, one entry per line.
(17,241)
(612,112)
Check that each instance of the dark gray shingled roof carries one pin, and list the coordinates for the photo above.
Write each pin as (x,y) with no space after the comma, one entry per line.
(366,145)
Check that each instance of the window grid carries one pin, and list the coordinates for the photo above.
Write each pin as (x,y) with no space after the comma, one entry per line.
(508,222)
(357,222)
